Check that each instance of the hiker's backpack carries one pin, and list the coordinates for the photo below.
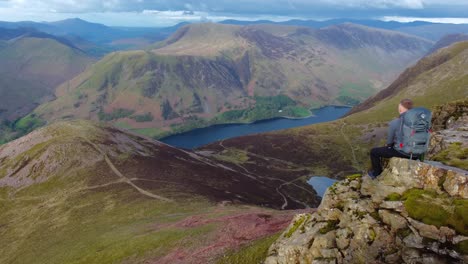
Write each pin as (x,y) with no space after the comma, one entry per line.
(413,139)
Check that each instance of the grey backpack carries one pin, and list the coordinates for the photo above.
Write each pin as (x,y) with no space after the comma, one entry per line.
(413,139)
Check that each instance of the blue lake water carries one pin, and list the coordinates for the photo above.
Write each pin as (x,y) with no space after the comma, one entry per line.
(199,137)
(320,184)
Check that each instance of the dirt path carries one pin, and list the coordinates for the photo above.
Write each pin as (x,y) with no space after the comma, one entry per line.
(283,182)
(122,177)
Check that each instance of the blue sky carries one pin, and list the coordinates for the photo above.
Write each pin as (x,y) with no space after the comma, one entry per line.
(170,12)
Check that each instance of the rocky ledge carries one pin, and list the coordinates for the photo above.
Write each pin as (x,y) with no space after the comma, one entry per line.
(413,213)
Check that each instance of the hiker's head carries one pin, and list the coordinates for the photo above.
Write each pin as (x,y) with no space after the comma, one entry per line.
(405,105)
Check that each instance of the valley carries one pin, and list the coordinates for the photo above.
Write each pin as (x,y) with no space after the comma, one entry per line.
(95,185)
(217,142)
(244,74)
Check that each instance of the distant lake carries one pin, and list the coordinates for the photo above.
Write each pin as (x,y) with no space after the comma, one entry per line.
(320,184)
(202,136)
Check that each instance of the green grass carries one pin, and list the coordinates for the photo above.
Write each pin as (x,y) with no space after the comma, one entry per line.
(50,223)
(331,225)
(352,93)
(149,132)
(296,225)
(115,114)
(253,253)
(393,197)
(265,107)
(28,123)
(22,126)
(148,117)
(454,155)
(437,209)
(296,111)
(462,247)
(354,176)
(123,124)
(233,155)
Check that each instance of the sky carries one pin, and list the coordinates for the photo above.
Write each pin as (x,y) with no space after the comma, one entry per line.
(170,12)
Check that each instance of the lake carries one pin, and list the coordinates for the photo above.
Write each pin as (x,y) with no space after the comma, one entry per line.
(202,136)
(320,184)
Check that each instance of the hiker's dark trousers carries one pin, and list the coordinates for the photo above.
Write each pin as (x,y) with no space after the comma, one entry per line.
(383,152)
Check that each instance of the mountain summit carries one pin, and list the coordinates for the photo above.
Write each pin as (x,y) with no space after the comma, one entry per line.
(212,73)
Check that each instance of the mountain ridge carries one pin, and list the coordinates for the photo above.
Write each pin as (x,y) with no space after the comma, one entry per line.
(211,73)
(36,63)
(350,138)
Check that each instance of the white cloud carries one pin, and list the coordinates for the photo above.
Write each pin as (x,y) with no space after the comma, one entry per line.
(411,4)
(449,20)
(217,5)
(126,12)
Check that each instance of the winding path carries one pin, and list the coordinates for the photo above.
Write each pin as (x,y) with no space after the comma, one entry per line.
(283,182)
(122,177)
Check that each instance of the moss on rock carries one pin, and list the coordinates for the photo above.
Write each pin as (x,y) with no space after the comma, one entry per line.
(436,209)
(302,219)
(393,197)
(331,225)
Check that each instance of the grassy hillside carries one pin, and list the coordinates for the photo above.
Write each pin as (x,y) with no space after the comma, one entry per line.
(79,192)
(210,73)
(334,147)
(31,68)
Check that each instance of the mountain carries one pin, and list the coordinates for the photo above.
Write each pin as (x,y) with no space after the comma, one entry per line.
(104,38)
(390,25)
(342,147)
(211,73)
(428,30)
(435,31)
(32,64)
(448,40)
(101,195)
(426,80)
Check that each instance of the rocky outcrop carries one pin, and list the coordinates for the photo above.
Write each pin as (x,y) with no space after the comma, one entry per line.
(413,213)
(449,142)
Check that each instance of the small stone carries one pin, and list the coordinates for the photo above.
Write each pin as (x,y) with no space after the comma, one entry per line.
(424,230)
(458,239)
(393,205)
(393,258)
(413,241)
(355,185)
(332,214)
(395,221)
(342,238)
(456,184)
(446,234)
(409,255)
(322,242)
(329,253)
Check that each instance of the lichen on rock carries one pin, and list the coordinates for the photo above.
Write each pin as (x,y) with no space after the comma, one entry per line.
(414,212)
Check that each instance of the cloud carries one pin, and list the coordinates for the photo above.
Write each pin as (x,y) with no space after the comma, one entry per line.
(175,11)
(449,20)
(251,6)
(379,4)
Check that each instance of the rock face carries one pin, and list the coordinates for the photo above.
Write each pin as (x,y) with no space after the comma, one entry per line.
(413,213)
(449,142)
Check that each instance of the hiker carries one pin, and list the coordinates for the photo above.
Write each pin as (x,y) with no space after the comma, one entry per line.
(408,136)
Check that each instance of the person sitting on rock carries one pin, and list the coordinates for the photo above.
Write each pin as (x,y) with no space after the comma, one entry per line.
(389,150)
